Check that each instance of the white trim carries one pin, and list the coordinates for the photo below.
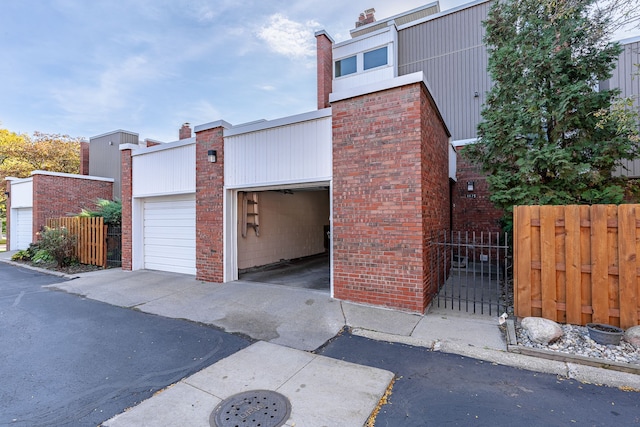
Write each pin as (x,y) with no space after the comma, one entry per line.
(282,185)
(443,13)
(132,147)
(72,175)
(15,180)
(321,32)
(212,125)
(284,121)
(165,146)
(386,29)
(632,39)
(462,142)
(163,194)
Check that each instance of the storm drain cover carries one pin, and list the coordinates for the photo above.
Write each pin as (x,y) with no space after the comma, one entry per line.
(256,408)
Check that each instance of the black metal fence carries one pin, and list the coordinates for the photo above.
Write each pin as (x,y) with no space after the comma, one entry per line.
(478,270)
(114,246)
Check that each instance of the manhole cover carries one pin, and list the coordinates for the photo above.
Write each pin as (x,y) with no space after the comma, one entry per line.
(256,408)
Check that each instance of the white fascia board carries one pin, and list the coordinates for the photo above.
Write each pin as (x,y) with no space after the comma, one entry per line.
(15,180)
(114,132)
(162,147)
(72,175)
(281,185)
(629,40)
(212,125)
(132,147)
(443,13)
(463,142)
(284,121)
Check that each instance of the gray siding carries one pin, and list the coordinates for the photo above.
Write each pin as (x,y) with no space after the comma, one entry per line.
(104,156)
(626,78)
(450,51)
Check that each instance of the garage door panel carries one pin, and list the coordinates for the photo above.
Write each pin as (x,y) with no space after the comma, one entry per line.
(169,234)
(23,219)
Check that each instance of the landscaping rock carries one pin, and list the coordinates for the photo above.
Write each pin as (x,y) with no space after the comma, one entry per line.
(540,330)
(632,336)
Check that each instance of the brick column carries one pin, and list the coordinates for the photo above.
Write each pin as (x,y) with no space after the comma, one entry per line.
(209,202)
(390,189)
(324,53)
(126,180)
(84,158)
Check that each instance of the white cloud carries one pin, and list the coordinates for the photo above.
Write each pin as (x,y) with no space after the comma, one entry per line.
(289,38)
(266,87)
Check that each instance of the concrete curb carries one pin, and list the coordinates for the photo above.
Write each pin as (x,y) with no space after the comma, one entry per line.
(40,270)
(590,371)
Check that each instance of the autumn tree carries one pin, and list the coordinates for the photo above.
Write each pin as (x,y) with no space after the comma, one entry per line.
(20,154)
(548,135)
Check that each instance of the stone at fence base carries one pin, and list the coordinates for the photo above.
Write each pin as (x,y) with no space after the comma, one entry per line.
(540,330)
(632,336)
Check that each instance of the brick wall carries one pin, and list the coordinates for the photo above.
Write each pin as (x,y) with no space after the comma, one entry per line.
(473,211)
(55,196)
(126,198)
(324,54)
(209,206)
(390,189)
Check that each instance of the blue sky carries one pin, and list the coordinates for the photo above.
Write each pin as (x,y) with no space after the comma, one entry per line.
(86,67)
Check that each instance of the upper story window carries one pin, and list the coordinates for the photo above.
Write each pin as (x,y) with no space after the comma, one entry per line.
(375,58)
(346,66)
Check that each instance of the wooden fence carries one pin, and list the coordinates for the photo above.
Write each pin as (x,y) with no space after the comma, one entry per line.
(578,264)
(91,236)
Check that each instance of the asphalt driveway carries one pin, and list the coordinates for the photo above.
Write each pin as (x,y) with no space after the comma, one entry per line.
(66,360)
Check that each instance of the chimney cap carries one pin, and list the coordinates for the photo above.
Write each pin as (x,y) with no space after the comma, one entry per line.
(186,124)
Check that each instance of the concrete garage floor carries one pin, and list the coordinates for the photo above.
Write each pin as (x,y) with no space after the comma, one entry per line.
(311,272)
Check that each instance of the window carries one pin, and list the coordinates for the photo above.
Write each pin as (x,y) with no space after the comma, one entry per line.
(375,58)
(346,66)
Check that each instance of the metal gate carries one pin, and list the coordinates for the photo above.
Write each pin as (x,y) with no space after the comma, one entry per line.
(478,272)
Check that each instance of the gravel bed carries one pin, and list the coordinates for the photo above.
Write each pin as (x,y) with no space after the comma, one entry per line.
(576,341)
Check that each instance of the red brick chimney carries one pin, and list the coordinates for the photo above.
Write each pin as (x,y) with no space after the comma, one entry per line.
(324,52)
(366,17)
(84,158)
(185,131)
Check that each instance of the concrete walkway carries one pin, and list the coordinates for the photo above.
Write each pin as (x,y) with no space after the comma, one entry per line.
(288,323)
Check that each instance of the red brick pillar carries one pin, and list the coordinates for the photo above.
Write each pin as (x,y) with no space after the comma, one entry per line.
(390,189)
(84,158)
(209,202)
(324,53)
(126,198)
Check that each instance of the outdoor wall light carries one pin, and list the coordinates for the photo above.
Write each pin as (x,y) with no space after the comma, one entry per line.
(470,185)
(213,156)
(6,193)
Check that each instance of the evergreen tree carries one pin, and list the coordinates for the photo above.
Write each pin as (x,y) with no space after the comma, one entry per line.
(548,135)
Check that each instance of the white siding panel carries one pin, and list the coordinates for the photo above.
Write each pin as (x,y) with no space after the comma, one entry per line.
(22,193)
(21,228)
(298,152)
(170,234)
(169,171)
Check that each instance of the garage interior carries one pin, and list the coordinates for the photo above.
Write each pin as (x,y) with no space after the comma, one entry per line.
(283,237)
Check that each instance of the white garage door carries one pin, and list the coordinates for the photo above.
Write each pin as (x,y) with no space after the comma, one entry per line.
(21,233)
(170,234)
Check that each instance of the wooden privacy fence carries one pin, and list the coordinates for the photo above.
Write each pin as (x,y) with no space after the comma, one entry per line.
(578,264)
(91,236)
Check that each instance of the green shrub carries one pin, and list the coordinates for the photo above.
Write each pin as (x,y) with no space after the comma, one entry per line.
(59,244)
(42,257)
(110,210)
(21,255)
